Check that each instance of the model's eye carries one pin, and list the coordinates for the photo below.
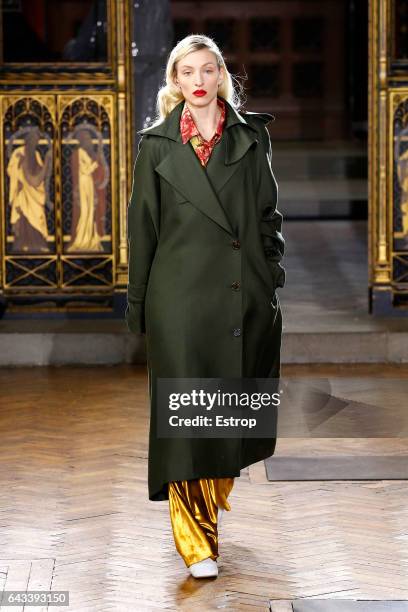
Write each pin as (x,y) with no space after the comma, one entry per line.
(186,73)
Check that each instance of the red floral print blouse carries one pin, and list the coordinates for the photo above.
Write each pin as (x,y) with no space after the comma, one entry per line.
(189,131)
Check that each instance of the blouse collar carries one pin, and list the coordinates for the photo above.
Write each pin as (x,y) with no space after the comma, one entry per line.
(189,129)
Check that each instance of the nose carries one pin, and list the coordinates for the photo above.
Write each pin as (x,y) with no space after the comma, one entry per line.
(198,80)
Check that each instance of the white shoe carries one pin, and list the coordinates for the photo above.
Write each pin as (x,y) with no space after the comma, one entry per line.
(207,568)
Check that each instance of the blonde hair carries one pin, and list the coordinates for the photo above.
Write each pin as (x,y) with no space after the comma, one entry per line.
(169,94)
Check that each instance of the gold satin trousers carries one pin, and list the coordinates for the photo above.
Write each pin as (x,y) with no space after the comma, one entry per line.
(193,506)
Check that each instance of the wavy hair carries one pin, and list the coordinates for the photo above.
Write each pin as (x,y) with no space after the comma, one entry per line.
(169,95)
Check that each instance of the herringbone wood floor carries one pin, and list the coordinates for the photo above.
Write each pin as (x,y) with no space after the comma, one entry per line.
(75,515)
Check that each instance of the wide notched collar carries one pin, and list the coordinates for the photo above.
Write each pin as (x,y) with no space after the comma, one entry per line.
(183,170)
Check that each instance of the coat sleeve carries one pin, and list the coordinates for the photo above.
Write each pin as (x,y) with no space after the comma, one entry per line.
(271,218)
(142,232)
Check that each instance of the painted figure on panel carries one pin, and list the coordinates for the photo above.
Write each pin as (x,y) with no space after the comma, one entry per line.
(402,172)
(89,178)
(29,175)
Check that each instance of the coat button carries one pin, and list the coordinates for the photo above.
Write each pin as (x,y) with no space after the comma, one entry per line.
(236,244)
(237,332)
(236,285)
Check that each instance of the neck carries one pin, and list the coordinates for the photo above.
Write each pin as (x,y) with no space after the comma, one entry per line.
(205,115)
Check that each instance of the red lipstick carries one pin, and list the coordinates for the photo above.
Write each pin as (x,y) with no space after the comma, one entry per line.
(199,92)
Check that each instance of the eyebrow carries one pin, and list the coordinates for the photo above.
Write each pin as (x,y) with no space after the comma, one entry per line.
(185,66)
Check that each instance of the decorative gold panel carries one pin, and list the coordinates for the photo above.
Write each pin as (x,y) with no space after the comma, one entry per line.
(388,165)
(398,186)
(58,182)
(65,163)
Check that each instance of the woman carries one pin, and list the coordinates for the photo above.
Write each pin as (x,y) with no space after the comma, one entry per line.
(85,235)
(28,175)
(204,249)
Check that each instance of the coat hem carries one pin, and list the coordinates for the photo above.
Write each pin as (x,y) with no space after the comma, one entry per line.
(162,494)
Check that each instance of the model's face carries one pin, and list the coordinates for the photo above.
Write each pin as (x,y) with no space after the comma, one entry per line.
(198,77)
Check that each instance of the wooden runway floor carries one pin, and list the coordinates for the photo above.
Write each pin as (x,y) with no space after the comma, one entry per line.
(74,513)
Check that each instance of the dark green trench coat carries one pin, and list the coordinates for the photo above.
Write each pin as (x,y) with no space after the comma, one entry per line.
(204,252)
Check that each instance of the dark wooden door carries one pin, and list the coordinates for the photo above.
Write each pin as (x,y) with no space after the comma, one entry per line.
(292,53)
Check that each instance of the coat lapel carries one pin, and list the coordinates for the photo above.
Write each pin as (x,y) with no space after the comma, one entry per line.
(182,169)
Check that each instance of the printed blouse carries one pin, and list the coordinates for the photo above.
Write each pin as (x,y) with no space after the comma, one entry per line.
(189,131)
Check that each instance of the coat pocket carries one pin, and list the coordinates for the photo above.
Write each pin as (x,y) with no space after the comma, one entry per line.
(280,275)
(275,301)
